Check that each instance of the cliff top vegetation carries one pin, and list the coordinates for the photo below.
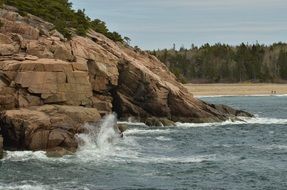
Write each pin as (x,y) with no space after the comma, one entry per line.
(63,16)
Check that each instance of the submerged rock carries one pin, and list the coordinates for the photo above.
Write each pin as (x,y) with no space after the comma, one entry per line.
(58,152)
(122,128)
(158,122)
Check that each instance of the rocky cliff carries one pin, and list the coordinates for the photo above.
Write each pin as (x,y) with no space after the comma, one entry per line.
(50,86)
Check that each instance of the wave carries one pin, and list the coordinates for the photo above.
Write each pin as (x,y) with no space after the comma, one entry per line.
(17,156)
(131,123)
(102,143)
(148,131)
(98,143)
(180,159)
(162,138)
(24,187)
(271,147)
(100,140)
(253,95)
(242,121)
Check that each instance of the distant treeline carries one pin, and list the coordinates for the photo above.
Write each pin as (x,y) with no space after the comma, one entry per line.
(62,15)
(224,63)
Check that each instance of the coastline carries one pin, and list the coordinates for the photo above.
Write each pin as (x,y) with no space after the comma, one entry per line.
(237,89)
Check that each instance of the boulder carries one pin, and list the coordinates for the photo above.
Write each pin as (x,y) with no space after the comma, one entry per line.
(122,128)
(44,127)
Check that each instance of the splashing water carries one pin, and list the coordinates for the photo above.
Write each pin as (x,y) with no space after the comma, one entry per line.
(99,139)
(108,134)
(176,157)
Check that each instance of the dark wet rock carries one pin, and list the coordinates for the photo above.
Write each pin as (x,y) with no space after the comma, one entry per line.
(58,152)
(122,128)
(231,111)
(158,122)
(1,147)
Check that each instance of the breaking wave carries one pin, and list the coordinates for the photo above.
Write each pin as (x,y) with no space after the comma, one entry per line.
(242,121)
(102,142)
(24,187)
(254,95)
(24,155)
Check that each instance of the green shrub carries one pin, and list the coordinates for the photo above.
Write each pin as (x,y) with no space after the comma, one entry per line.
(61,14)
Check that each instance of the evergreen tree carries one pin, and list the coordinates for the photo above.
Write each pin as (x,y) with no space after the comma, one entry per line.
(223,63)
(61,14)
(282,62)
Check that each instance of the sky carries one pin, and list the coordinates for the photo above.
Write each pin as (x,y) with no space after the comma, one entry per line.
(158,24)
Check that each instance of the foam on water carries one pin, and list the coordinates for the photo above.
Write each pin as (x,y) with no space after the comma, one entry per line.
(24,156)
(148,131)
(243,121)
(102,142)
(163,138)
(179,159)
(165,157)
(24,187)
(99,140)
(130,123)
(266,121)
(272,147)
(254,95)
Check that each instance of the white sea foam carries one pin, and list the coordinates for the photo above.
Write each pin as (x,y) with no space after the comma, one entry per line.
(103,143)
(254,95)
(130,123)
(25,187)
(24,155)
(254,120)
(271,147)
(266,121)
(180,159)
(162,138)
(148,131)
(99,138)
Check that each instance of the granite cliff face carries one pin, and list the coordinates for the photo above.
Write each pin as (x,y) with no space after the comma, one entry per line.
(50,86)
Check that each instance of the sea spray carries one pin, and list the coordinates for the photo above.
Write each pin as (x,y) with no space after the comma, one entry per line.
(100,138)
(108,133)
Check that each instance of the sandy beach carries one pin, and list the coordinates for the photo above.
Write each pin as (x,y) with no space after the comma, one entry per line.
(242,89)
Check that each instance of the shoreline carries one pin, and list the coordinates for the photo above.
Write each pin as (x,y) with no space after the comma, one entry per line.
(237,89)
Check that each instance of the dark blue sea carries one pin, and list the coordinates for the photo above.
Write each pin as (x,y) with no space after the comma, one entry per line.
(230,155)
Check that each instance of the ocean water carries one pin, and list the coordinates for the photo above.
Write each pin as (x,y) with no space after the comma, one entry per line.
(240,155)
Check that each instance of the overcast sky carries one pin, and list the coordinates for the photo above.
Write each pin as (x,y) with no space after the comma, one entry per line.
(153,24)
